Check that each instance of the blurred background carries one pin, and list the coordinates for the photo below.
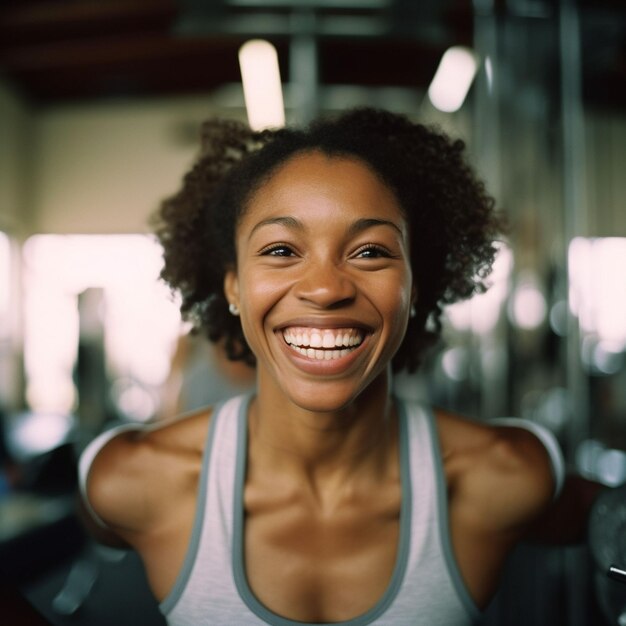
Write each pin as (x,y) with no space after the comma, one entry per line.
(100,107)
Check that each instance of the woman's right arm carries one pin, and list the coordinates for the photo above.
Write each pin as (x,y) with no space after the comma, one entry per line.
(117,500)
(139,480)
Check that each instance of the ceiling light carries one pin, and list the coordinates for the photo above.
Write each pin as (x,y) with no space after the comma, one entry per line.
(262,87)
(453,79)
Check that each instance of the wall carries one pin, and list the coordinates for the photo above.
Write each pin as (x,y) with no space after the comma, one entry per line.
(15,138)
(606,174)
(103,168)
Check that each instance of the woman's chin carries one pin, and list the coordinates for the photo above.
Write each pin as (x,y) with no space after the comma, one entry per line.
(324,397)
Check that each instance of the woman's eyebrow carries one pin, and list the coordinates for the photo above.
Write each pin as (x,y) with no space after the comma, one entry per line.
(363,224)
(287,221)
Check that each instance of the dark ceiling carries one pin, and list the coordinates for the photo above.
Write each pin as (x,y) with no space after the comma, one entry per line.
(56,51)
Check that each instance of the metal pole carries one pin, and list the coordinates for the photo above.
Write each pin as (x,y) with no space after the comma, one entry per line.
(574,205)
(303,71)
(486,149)
(574,224)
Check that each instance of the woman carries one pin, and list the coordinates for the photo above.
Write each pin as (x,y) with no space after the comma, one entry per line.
(325,256)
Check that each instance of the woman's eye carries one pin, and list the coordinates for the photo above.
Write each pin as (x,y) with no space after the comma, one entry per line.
(372,252)
(281,250)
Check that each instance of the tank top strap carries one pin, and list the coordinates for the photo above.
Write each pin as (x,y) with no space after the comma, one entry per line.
(432,564)
(212,527)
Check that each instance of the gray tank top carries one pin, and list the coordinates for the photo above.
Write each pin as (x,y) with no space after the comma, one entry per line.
(425,588)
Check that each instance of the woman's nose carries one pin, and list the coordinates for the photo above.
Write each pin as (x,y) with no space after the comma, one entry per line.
(326,285)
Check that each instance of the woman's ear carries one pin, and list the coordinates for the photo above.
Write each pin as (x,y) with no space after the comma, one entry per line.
(231,287)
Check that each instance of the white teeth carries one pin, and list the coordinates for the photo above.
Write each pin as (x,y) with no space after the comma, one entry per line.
(323,338)
(316,340)
(328,340)
(323,344)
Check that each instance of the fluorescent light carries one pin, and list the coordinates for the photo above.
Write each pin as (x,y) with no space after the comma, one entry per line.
(489,74)
(262,87)
(453,79)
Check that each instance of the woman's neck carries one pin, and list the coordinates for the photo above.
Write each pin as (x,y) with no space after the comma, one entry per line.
(324,450)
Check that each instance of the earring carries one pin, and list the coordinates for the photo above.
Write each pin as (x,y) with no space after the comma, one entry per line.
(233,309)
(413,311)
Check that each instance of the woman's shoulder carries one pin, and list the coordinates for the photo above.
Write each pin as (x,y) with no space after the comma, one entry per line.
(141,472)
(501,475)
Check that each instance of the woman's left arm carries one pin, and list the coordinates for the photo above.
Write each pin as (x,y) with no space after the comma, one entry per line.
(563,521)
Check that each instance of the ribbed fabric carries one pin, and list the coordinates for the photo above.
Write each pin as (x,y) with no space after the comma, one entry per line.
(425,587)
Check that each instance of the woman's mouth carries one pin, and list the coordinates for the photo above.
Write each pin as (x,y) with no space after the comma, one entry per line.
(323,344)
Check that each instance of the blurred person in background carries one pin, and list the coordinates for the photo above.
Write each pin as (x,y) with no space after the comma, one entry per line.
(201,374)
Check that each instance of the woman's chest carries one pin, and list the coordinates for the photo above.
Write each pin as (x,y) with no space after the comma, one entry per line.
(315,567)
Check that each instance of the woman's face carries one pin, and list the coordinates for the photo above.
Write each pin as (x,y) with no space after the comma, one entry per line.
(323,280)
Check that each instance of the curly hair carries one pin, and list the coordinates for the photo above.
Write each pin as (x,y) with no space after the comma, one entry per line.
(451,218)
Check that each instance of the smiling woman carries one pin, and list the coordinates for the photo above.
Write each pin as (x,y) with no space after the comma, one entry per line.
(449,217)
(324,255)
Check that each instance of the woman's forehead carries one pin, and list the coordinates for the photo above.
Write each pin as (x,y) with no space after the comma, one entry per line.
(313,183)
